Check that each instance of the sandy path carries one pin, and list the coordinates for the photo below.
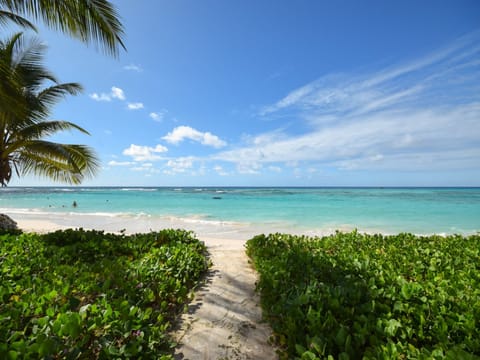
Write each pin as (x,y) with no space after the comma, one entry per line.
(224,320)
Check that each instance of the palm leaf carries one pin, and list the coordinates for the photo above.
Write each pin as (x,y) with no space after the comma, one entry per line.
(47,128)
(24,106)
(27,58)
(59,162)
(7,16)
(91,21)
(21,72)
(51,95)
(49,168)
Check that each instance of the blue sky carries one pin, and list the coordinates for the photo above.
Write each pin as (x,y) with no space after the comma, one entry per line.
(279,93)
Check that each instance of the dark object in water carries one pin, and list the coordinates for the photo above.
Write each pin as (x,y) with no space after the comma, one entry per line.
(217,197)
(74,204)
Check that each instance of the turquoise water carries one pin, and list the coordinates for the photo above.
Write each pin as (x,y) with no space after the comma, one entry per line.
(389,210)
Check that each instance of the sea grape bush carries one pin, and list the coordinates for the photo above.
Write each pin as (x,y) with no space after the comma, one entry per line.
(356,296)
(77,294)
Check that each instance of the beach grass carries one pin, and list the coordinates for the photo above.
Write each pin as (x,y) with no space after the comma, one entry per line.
(355,296)
(77,294)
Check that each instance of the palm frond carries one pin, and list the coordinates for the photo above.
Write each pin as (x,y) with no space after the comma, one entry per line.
(12,103)
(7,16)
(51,95)
(91,21)
(60,162)
(49,168)
(46,128)
(8,46)
(27,58)
(85,159)
(22,74)
(24,106)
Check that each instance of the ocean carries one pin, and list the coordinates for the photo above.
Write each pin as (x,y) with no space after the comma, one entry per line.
(233,210)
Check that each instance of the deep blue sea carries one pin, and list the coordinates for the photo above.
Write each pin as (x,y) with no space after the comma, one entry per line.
(387,210)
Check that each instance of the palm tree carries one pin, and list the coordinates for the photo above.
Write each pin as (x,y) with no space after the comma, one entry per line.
(91,21)
(94,21)
(23,110)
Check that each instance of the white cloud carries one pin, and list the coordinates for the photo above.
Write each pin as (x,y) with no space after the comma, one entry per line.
(120,163)
(276,169)
(101,97)
(420,116)
(186,132)
(159,115)
(119,94)
(406,85)
(135,106)
(249,167)
(145,153)
(180,165)
(381,138)
(155,116)
(115,93)
(133,67)
(289,100)
(220,171)
(147,168)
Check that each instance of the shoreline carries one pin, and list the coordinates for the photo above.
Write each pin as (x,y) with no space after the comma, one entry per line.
(245,212)
(111,222)
(213,230)
(43,226)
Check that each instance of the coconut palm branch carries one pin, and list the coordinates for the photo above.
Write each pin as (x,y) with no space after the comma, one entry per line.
(21,69)
(24,148)
(7,16)
(91,21)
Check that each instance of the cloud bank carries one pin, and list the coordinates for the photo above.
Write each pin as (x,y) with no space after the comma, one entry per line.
(420,116)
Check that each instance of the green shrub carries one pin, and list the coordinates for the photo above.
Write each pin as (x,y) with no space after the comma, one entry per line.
(79,294)
(355,296)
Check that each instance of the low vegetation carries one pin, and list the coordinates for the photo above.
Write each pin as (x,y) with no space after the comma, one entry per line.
(78,294)
(355,296)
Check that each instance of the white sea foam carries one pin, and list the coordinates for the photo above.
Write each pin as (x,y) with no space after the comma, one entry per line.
(139,189)
(99,213)
(62,212)
(21,211)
